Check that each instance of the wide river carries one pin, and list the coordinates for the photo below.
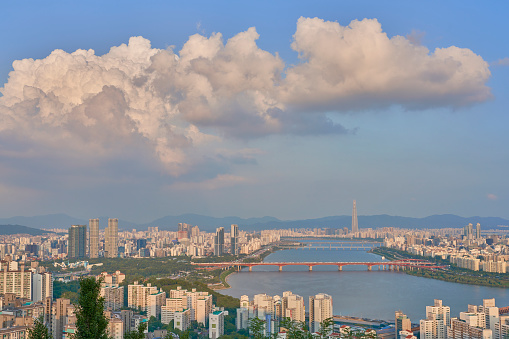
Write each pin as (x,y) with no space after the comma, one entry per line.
(355,291)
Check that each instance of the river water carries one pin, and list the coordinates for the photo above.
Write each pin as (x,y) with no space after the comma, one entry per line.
(356,291)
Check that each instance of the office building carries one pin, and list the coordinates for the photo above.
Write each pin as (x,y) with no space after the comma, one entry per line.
(355,224)
(77,242)
(93,225)
(219,242)
(320,309)
(111,239)
(234,241)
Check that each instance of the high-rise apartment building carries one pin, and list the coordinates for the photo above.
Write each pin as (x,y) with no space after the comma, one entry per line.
(113,296)
(219,242)
(355,224)
(17,281)
(216,324)
(184,229)
(320,309)
(42,286)
(147,298)
(62,312)
(127,317)
(442,312)
(195,231)
(402,323)
(77,242)
(93,226)
(438,318)
(234,241)
(293,307)
(432,328)
(111,239)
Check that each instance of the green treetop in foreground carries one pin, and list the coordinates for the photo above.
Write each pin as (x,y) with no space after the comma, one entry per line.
(90,319)
(39,331)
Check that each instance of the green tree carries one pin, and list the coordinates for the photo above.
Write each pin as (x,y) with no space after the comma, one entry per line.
(257,328)
(138,334)
(38,331)
(154,324)
(90,319)
(326,327)
(295,329)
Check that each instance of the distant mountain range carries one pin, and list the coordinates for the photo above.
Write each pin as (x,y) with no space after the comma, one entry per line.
(253,224)
(18,229)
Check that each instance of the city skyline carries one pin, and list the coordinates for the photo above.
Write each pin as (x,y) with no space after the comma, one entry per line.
(285,109)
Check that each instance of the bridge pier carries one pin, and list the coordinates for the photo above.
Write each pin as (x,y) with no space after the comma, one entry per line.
(310,268)
(250,268)
(369,268)
(340,268)
(280,268)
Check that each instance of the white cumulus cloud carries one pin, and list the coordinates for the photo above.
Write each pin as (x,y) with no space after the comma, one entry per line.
(359,66)
(179,108)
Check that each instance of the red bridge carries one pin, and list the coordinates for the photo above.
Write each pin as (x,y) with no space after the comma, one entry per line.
(391,265)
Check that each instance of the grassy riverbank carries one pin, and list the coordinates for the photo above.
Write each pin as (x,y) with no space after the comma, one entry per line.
(453,274)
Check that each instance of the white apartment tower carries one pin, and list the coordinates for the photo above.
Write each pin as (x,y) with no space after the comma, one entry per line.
(441,312)
(293,307)
(139,296)
(216,324)
(320,309)
(42,286)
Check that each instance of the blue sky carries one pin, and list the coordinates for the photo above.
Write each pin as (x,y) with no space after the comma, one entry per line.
(186,120)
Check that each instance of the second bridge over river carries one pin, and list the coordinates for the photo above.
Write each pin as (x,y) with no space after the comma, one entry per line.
(387,265)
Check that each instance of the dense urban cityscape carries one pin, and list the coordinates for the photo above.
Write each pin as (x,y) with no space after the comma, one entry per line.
(33,266)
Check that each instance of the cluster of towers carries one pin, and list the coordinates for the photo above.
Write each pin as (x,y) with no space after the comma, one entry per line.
(77,243)
(219,240)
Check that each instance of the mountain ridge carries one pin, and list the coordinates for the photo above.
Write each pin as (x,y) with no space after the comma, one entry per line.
(207,223)
(19,229)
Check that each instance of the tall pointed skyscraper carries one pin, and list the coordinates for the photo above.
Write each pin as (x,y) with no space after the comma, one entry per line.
(355,225)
